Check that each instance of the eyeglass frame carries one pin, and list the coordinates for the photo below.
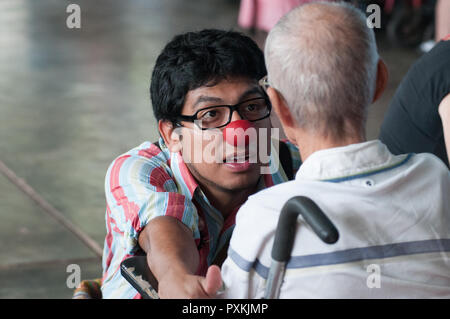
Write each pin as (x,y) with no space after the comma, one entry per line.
(232,108)
(264,83)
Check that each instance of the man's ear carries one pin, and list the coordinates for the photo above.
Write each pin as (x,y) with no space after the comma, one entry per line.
(283,112)
(171,135)
(382,79)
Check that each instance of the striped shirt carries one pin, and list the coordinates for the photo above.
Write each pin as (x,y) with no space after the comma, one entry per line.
(393,217)
(147,182)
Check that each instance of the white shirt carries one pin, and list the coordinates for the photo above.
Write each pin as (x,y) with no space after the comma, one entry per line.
(392,214)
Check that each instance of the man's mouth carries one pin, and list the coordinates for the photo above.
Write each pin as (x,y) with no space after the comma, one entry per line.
(238,163)
(237,158)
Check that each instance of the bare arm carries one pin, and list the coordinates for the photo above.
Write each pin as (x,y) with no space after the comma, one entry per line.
(173,258)
(444,112)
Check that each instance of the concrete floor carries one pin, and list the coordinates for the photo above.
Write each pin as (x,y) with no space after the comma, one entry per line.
(71,100)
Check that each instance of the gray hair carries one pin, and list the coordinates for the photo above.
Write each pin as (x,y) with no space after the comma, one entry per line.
(322,57)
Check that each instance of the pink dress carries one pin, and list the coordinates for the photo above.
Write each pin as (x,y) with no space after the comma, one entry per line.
(264,14)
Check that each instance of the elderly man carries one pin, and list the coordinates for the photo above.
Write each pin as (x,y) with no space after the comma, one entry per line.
(392,212)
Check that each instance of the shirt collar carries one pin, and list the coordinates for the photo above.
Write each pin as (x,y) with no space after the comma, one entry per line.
(186,183)
(348,161)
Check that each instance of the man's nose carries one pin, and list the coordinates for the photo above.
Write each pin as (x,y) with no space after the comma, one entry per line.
(236,134)
(235,116)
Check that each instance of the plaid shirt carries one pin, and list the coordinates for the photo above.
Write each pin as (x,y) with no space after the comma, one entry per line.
(147,182)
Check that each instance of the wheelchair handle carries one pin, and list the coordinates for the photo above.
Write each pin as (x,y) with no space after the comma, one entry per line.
(285,235)
(287,225)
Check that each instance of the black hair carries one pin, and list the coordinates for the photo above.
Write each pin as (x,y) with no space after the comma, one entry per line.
(195,59)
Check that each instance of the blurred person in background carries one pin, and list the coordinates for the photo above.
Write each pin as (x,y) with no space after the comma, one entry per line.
(442,19)
(442,25)
(261,15)
(418,117)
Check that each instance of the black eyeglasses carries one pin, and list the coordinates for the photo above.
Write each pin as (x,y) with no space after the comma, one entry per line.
(219,116)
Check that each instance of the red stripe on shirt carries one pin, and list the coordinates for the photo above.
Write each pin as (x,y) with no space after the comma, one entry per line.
(188,179)
(158,177)
(176,206)
(268,181)
(137,296)
(150,152)
(131,210)
(108,240)
(229,221)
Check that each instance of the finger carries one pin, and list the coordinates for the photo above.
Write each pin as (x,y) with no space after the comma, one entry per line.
(213,280)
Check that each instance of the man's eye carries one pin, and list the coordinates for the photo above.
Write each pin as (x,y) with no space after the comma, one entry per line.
(209,114)
(251,107)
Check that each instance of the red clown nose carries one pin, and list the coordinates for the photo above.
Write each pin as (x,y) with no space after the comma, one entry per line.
(234,133)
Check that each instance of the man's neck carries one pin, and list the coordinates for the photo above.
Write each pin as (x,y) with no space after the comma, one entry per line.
(310,143)
(226,201)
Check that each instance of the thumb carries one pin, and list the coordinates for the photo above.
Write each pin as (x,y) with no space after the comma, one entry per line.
(213,281)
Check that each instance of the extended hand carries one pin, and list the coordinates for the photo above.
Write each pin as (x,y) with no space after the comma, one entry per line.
(184,286)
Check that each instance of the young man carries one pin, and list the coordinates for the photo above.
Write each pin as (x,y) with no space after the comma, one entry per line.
(165,202)
(391,211)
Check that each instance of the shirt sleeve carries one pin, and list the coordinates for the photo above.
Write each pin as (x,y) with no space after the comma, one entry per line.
(138,189)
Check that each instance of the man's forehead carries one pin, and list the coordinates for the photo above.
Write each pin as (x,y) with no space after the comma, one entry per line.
(225,91)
